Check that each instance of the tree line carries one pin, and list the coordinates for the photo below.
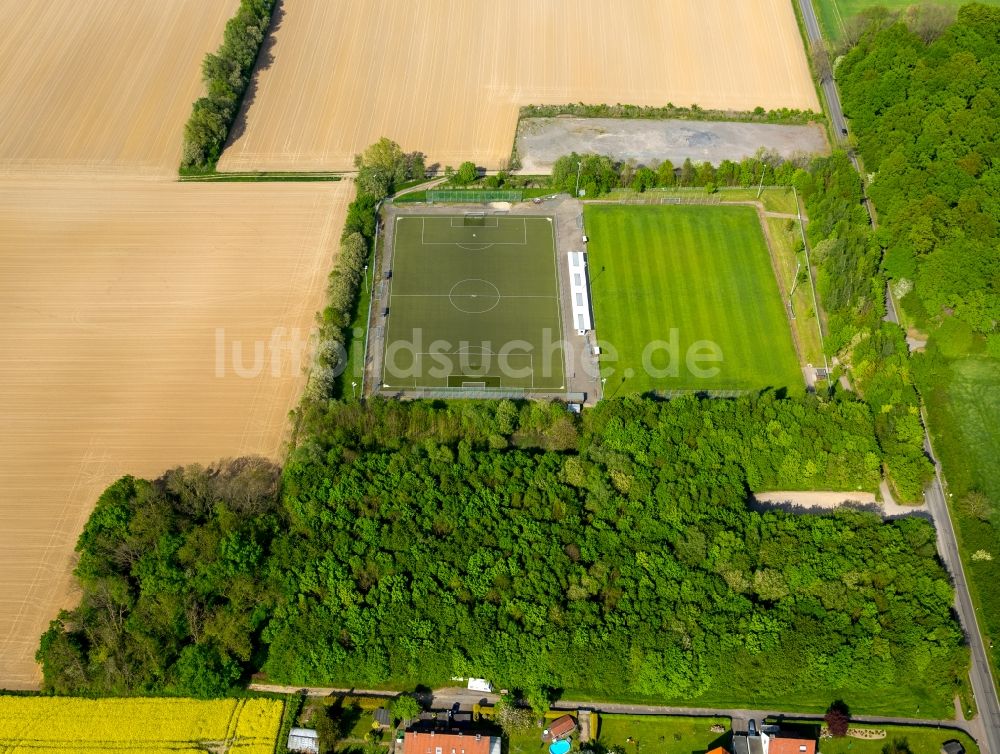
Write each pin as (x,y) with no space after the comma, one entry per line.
(381,169)
(846,255)
(611,554)
(757,115)
(924,102)
(226,74)
(597,175)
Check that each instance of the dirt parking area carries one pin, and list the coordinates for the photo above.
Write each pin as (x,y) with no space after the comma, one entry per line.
(541,141)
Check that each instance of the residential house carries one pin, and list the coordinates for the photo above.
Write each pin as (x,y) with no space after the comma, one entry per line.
(449,742)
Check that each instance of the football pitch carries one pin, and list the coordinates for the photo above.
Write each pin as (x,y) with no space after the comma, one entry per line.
(685,299)
(474,305)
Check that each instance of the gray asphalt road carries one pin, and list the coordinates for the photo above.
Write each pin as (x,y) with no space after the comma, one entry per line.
(980,673)
(829,87)
(890,307)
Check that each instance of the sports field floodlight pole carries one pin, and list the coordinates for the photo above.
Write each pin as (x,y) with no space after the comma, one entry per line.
(763,169)
(354,390)
(795,281)
(579,167)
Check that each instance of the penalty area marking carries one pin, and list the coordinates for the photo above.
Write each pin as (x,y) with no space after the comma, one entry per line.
(484,245)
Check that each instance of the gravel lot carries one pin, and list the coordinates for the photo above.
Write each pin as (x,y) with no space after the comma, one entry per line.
(540,141)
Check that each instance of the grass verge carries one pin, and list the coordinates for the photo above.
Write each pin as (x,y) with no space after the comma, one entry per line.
(208,175)
(964,416)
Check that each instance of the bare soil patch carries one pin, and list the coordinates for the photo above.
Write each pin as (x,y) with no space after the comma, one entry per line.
(541,141)
(114,296)
(103,84)
(448,76)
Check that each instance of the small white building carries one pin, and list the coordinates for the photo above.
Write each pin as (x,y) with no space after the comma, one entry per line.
(304,740)
(480,684)
(579,291)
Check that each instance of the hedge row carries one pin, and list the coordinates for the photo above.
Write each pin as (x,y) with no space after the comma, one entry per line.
(226,74)
(758,115)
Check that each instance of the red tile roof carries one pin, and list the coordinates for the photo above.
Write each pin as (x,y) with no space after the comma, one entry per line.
(786,745)
(562,726)
(445,743)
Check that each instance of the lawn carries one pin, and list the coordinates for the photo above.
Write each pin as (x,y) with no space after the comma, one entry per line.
(473,305)
(685,298)
(527,742)
(964,418)
(654,733)
(917,740)
(833,13)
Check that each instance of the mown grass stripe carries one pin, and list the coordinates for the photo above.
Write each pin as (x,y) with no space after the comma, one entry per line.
(705,271)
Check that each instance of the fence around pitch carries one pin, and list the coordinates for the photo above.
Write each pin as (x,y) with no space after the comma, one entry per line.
(478,196)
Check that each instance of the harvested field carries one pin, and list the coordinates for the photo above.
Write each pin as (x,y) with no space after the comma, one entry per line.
(447,76)
(104,84)
(114,295)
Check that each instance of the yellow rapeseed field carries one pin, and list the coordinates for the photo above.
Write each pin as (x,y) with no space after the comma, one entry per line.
(40,725)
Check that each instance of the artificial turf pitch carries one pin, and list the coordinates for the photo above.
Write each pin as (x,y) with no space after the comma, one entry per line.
(703,271)
(473,304)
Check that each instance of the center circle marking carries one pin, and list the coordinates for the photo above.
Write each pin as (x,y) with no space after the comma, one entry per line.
(474,296)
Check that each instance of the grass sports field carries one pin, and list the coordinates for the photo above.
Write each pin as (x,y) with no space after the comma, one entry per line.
(473,302)
(675,276)
(833,13)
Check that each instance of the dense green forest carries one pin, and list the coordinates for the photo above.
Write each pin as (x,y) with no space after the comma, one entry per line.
(171,578)
(927,119)
(926,109)
(612,553)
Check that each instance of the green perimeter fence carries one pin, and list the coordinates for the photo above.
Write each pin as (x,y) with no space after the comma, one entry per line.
(473,196)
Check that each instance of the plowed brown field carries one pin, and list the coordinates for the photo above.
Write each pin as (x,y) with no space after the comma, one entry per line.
(447,76)
(114,297)
(92,85)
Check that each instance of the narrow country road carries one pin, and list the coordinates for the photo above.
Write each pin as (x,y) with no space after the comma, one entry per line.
(980,673)
(448,698)
(828,85)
